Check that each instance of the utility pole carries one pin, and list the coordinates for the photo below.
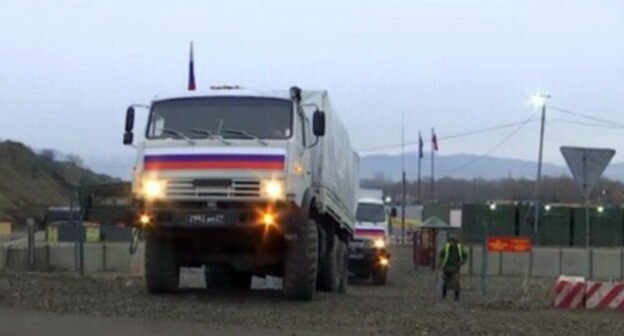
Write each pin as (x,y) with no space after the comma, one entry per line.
(403,178)
(539,100)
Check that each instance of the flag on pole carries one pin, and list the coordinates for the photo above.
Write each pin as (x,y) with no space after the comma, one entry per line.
(191,82)
(421,144)
(434,140)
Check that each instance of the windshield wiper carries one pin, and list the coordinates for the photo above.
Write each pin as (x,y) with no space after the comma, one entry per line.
(179,134)
(247,134)
(209,134)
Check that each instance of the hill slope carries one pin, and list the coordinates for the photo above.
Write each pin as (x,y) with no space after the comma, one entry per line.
(29,182)
(466,166)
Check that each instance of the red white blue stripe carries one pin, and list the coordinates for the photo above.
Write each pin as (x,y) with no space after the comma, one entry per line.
(215,158)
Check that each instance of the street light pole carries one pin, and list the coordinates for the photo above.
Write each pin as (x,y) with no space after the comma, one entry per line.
(539,100)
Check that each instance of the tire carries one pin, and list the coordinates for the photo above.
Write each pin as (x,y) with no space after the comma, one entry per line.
(330,265)
(301,262)
(380,276)
(343,253)
(162,270)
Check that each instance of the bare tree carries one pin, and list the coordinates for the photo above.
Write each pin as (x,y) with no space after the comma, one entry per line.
(76,160)
(48,154)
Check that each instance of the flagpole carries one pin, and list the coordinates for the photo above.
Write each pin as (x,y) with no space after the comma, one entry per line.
(403,180)
(420,155)
(432,166)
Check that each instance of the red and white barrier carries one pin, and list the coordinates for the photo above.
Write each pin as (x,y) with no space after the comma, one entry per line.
(569,292)
(604,295)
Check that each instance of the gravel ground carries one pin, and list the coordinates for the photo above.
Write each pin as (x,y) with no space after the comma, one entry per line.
(408,304)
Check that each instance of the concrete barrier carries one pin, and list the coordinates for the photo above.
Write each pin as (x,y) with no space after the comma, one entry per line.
(42,258)
(605,264)
(546,262)
(117,257)
(573,262)
(494,261)
(93,258)
(17,258)
(62,257)
(515,263)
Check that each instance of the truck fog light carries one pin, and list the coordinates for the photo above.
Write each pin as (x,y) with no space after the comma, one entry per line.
(383,261)
(144,219)
(268,219)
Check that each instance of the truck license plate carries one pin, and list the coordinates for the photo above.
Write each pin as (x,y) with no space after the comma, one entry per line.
(356,256)
(206,219)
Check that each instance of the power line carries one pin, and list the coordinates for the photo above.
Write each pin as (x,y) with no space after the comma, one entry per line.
(586,116)
(583,123)
(495,147)
(453,136)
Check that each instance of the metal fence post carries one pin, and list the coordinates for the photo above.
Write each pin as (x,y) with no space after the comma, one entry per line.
(30,223)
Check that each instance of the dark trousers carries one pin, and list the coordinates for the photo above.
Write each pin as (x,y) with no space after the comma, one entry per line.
(450,280)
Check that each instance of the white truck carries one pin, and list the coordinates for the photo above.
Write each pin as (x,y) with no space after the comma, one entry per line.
(246,183)
(368,253)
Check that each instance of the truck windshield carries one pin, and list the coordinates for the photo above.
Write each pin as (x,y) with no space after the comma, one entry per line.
(252,118)
(369,212)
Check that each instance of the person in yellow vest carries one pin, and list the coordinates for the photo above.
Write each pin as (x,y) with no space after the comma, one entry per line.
(452,257)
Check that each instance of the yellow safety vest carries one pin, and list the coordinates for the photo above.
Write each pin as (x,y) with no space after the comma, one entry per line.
(447,248)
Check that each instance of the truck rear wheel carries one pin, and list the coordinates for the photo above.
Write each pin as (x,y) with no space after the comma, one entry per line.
(330,265)
(380,276)
(301,262)
(162,270)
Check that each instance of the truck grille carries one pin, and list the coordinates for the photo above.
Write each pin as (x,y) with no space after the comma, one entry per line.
(213,189)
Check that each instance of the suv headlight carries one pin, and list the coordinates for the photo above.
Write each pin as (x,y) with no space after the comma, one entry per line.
(152,188)
(273,189)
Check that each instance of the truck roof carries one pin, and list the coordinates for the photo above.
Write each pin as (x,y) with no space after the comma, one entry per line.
(371,200)
(230,92)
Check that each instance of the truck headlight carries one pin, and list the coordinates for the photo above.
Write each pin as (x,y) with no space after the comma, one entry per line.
(379,243)
(273,189)
(153,188)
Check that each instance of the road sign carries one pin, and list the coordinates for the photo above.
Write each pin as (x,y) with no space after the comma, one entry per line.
(509,244)
(587,165)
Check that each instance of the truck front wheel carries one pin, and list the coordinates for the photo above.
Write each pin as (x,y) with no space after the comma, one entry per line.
(162,270)
(301,262)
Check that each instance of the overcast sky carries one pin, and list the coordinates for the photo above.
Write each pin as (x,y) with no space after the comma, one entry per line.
(69,69)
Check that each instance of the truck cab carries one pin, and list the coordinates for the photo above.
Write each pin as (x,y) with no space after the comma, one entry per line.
(369,256)
(243,183)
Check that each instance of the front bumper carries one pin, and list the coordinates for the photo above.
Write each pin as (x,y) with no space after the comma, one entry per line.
(218,215)
(363,260)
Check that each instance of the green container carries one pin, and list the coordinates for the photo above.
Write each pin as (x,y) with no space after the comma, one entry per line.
(555,225)
(606,228)
(500,222)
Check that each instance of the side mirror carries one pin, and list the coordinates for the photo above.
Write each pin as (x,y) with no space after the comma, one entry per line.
(318,123)
(393,212)
(129,119)
(128,138)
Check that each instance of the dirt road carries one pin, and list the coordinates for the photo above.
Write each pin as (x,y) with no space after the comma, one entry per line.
(408,304)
